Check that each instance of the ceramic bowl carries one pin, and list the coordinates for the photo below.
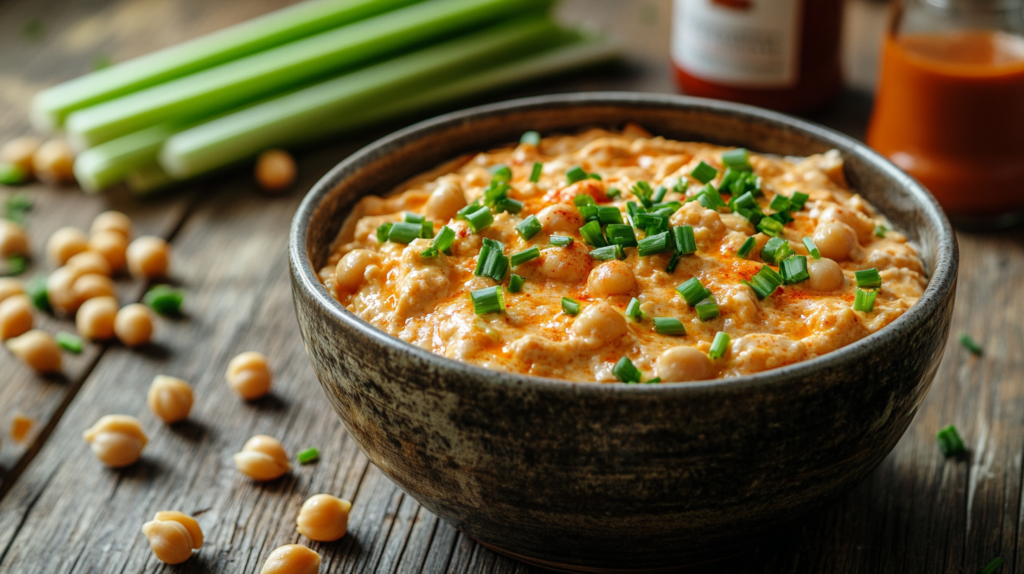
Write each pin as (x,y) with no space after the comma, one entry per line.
(611,476)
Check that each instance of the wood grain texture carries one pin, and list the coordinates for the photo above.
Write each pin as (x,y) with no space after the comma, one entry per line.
(61,511)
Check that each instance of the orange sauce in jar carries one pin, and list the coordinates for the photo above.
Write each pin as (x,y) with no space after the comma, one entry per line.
(950,112)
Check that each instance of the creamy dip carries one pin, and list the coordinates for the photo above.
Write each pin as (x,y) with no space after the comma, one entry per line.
(769,281)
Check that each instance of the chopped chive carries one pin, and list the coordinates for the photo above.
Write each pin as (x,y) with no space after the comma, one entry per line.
(488,300)
(609,214)
(798,200)
(404,232)
(608,252)
(591,233)
(812,248)
(776,250)
(703,172)
(38,293)
(383,231)
(868,278)
(410,217)
(653,244)
(794,270)
(480,219)
(621,234)
(780,203)
(707,309)
(12,174)
(710,198)
(560,240)
(69,342)
(515,283)
(509,205)
(680,186)
(491,262)
(673,262)
(524,256)
(651,223)
(529,227)
(626,372)
(531,137)
(570,306)
(583,199)
(652,381)
(992,566)
(575,174)
(747,247)
(426,229)
(589,212)
(719,346)
(770,226)
(864,301)
(461,214)
(613,192)
(164,299)
(685,243)
(501,172)
(745,201)
(16,265)
(642,190)
(659,194)
(669,326)
(950,442)
(881,230)
(765,282)
(309,455)
(17,205)
(496,192)
(633,310)
(970,344)
(442,242)
(596,176)
(536,171)
(737,159)
(693,291)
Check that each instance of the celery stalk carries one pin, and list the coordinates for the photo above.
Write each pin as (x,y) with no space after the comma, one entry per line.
(263,74)
(108,163)
(51,106)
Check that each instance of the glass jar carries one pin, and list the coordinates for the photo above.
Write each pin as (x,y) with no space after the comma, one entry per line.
(950,105)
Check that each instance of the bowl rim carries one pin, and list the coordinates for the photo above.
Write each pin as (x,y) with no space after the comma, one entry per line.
(941,281)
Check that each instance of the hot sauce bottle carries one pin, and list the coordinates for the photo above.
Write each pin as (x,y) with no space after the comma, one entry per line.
(779,54)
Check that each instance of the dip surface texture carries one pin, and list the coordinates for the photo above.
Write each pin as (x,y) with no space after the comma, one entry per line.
(397,283)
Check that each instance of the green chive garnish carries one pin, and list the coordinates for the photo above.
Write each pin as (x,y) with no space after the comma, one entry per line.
(970,344)
(613,192)
(881,230)
(426,229)
(642,190)
(410,217)
(710,198)
(17,205)
(798,199)
(626,372)
(583,199)
(575,174)
(764,282)
(693,291)
(16,265)
(669,326)
(608,252)
(719,346)
(703,172)
(383,231)
(461,214)
(596,176)
(707,309)
(488,300)
(560,240)
(950,442)
(673,262)
(404,232)
(492,262)
(501,172)
(864,301)
(654,244)
(529,227)
(509,205)
(480,219)
(515,283)
(685,243)
(812,248)
(794,270)
(591,233)
(531,137)
(775,250)
(69,342)
(39,295)
(570,306)
(868,278)
(609,214)
(770,226)
(621,234)
(747,247)
(443,242)
(633,310)
(659,194)
(12,174)
(535,173)
(524,256)
(780,203)
(309,455)
(737,159)
(992,566)
(164,299)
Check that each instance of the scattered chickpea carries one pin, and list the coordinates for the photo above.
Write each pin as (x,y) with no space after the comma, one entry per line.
(173,535)
(170,399)
(292,559)
(93,285)
(323,518)
(53,162)
(249,375)
(824,274)
(38,350)
(21,425)
(112,221)
(275,170)
(13,239)
(262,458)
(112,246)
(117,440)
(95,319)
(15,316)
(10,286)
(59,290)
(89,262)
(20,151)
(134,325)
(65,243)
(148,257)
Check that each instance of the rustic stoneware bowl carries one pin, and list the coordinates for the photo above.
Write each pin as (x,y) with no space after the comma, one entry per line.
(612,477)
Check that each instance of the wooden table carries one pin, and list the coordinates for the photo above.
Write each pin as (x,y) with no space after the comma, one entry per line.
(61,511)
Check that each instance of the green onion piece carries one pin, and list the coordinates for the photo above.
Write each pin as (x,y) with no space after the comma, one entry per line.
(798,199)
(659,194)
(769,226)
(488,300)
(480,219)
(410,217)
(765,282)
(69,342)
(583,200)
(737,159)
(462,213)
(509,205)
(693,291)
(531,137)
(309,455)
(164,299)
(515,283)
(633,310)
(496,192)
(491,262)
(591,233)
(596,176)
(868,278)
(794,270)
(621,234)
(650,222)
(669,326)
(570,307)
(575,174)
(780,203)
(812,248)
(16,265)
(719,346)
(16,206)
(589,212)
(442,242)
(39,295)
(608,252)
(970,344)
(745,201)
(653,244)
(703,172)
(383,231)
(560,240)
(747,247)
(404,232)
(710,198)
(652,381)
(680,186)
(500,172)
(609,214)
(707,309)
(685,243)
(613,192)
(673,262)
(671,206)
(992,566)
(642,190)
(426,229)
(864,301)
(775,250)
(536,171)
(626,372)
(950,442)
(524,256)
(881,230)
(529,227)
(12,174)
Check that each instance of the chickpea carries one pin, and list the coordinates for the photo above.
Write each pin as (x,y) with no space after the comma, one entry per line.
(133,325)
(20,151)
(148,257)
(825,274)
(599,324)
(835,240)
(59,290)
(275,170)
(565,264)
(13,239)
(292,559)
(173,535)
(95,319)
(89,262)
(65,243)
(10,286)
(262,458)
(93,285)
(112,221)
(38,350)
(862,225)
(21,425)
(611,278)
(249,375)
(53,162)
(112,246)
(351,269)
(170,399)
(560,217)
(117,440)
(680,364)
(15,316)
(445,201)
(323,518)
